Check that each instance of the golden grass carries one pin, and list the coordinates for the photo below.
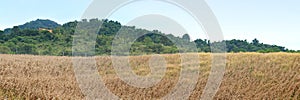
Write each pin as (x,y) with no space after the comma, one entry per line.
(247,76)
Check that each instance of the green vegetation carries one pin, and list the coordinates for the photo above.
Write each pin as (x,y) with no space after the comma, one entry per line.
(55,39)
(39,23)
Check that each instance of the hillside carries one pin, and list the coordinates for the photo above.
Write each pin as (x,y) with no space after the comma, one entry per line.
(39,23)
(28,39)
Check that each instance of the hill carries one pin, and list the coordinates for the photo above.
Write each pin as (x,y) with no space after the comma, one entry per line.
(27,39)
(39,23)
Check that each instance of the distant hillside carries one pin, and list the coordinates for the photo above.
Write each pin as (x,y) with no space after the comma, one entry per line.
(39,23)
(28,39)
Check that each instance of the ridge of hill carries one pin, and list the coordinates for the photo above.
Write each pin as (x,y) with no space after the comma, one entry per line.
(28,39)
(36,24)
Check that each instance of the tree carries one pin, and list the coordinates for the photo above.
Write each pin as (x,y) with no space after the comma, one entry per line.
(27,49)
(2,37)
(4,50)
(186,37)
(202,45)
(15,29)
(148,41)
(255,42)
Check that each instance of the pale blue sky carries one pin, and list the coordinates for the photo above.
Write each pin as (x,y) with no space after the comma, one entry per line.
(271,21)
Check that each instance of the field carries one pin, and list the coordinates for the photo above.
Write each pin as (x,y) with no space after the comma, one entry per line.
(247,76)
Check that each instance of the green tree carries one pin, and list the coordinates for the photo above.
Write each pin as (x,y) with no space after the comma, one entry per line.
(15,29)
(186,37)
(4,50)
(24,48)
(148,41)
(255,42)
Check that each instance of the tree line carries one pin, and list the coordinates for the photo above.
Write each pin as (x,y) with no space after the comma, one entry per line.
(125,40)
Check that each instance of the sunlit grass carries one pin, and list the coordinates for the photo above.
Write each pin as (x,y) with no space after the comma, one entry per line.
(247,76)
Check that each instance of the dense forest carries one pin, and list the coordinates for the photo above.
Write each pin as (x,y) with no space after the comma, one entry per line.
(46,37)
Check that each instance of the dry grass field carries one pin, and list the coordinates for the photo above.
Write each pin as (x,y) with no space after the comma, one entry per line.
(247,76)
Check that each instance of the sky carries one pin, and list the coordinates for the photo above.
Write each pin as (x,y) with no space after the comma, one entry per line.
(270,21)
